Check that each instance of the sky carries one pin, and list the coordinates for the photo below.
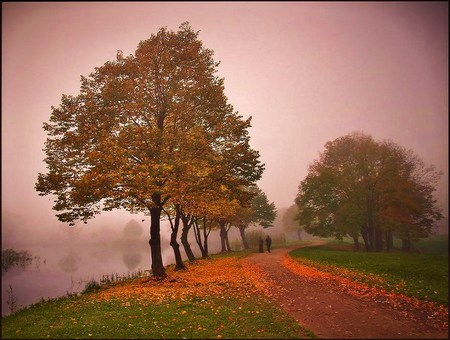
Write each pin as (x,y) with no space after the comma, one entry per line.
(307,72)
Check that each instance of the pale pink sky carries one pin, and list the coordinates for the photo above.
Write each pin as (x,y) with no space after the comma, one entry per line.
(307,73)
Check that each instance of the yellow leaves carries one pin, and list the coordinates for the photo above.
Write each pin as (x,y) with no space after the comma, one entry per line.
(183,312)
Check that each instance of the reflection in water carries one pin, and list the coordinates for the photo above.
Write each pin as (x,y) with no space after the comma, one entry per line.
(69,262)
(68,270)
(129,242)
(132,260)
(132,230)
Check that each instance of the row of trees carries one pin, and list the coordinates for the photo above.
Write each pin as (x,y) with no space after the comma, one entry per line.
(153,132)
(258,211)
(376,190)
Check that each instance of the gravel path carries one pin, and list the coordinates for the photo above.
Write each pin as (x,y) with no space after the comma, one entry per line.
(321,307)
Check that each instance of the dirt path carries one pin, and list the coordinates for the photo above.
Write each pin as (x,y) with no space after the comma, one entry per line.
(320,306)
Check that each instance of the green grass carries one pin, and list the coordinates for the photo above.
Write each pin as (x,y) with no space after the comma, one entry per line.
(211,318)
(419,275)
(436,245)
(203,317)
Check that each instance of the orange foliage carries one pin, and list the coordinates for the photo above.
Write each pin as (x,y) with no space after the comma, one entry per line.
(361,290)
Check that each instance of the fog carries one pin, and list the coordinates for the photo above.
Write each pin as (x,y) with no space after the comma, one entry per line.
(68,257)
(306,72)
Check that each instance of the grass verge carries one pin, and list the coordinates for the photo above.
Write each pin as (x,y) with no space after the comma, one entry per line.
(424,276)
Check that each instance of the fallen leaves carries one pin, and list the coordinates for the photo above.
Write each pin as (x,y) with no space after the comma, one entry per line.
(352,283)
(209,277)
(221,278)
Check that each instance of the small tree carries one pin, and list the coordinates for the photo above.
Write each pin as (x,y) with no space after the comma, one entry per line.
(258,212)
(291,221)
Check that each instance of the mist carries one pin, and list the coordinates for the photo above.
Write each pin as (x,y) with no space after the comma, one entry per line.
(307,73)
(66,257)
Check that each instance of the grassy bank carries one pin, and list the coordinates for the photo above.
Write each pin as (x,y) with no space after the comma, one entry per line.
(420,275)
(214,298)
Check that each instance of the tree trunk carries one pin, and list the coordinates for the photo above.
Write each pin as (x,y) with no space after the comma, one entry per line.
(184,239)
(198,239)
(356,242)
(389,241)
(377,227)
(406,243)
(370,228)
(158,269)
(227,241)
(244,239)
(365,236)
(378,238)
(222,237)
(173,242)
(299,234)
(205,237)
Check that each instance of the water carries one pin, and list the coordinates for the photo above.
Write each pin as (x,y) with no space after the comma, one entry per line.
(60,270)
(66,268)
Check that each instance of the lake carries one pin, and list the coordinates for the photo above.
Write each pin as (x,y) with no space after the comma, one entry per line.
(62,269)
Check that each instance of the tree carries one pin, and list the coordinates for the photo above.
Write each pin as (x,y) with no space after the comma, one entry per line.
(258,212)
(175,226)
(406,204)
(208,212)
(229,209)
(141,127)
(368,188)
(291,221)
(188,221)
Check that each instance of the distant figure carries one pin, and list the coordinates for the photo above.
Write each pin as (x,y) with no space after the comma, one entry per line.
(261,245)
(268,242)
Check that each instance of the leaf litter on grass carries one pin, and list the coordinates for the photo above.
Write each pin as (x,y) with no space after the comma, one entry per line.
(364,285)
(210,277)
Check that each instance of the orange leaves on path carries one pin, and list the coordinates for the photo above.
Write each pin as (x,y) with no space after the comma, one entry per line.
(347,281)
(234,277)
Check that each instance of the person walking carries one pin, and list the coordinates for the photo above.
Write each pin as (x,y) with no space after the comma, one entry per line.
(268,243)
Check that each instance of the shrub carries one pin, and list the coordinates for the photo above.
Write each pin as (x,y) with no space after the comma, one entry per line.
(91,286)
(11,258)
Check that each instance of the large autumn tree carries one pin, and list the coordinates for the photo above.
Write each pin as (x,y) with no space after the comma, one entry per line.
(376,190)
(144,129)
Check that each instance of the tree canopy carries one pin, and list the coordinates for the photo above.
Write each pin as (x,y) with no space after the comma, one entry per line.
(258,211)
(146,129)
(377,190)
